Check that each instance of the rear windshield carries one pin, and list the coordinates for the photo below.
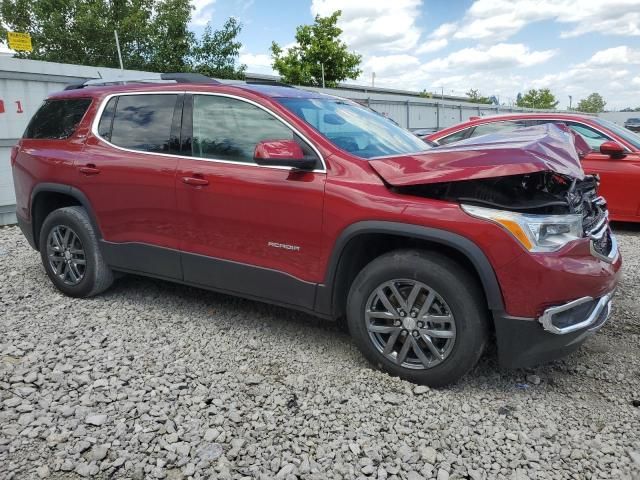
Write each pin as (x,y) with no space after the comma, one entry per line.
(57,119)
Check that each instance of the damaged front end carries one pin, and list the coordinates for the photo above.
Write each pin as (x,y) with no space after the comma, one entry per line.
(529,181)
(543,210)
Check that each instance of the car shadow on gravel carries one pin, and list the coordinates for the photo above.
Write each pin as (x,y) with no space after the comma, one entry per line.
(486,376)
(184,296)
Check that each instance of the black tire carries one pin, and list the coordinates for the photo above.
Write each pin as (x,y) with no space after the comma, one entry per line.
(96,276)
(453,284)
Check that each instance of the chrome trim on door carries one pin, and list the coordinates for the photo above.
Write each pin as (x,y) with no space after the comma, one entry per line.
(105,100)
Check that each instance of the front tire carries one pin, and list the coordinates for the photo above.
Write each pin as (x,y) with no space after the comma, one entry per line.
(71,255)
(418,315)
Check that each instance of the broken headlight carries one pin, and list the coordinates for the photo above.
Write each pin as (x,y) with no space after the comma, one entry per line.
(537,233)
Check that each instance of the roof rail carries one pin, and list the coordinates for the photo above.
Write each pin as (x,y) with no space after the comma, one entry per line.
(181,77)
(177,77)
(260,81)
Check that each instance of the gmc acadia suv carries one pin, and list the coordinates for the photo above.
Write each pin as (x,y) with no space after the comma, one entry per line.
(319,204)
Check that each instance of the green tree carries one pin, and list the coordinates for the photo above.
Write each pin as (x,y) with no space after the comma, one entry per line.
(542,98)
(216,53)
(153,35)
(594,103)
(317,46)
(475,97)
(171,42)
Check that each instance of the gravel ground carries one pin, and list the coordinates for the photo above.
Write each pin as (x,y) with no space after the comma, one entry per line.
(155,380)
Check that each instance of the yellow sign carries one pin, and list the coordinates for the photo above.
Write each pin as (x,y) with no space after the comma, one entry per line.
(19,41)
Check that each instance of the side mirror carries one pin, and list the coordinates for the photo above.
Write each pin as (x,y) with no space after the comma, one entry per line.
(613,149)
(282,153)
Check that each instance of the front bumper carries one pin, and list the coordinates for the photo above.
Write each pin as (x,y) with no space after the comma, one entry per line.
(525,342)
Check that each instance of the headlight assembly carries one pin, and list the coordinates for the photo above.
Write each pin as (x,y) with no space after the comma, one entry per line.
(537,233)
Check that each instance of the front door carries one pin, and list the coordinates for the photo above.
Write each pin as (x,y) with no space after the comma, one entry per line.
(248,229)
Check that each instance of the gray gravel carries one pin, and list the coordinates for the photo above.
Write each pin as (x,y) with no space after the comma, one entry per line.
(155,380)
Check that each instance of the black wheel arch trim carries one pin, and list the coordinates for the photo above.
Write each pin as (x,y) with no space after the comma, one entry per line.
(47,187)
(325,299)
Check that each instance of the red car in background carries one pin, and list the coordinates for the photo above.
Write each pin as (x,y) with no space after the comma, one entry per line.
(614,156)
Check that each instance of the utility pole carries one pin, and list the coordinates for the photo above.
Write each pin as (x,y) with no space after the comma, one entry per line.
(322,66)
(570,99)
(373,79)
(115,32)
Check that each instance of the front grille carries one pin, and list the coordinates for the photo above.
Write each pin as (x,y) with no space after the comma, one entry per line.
(584,200)
(603,244)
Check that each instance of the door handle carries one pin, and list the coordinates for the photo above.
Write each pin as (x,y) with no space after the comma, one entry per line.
(89,169)
(197,181)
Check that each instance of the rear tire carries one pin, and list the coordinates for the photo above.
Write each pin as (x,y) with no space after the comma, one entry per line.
(71,254)
(435,333)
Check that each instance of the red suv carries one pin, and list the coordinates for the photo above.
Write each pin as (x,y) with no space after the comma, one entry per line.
(316,203)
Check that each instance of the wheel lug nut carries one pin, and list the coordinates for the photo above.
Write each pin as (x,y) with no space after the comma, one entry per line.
(415,333)
(413,315)
(420,325)
(397,323)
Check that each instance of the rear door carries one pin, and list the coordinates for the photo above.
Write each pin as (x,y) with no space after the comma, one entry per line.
(248,229)
(128,175)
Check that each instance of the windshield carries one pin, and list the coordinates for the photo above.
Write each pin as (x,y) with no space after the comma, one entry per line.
(628,135)
(353,128)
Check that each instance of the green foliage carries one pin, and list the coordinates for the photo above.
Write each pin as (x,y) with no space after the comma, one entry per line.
(542,98)
(425,94)
(317,45)
(475,97)
(216,52)
(153,35)
(594,103)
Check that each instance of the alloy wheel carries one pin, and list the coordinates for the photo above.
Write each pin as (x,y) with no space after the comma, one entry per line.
(410,324)
(66,255)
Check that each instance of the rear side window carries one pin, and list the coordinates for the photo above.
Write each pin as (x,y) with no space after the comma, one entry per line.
(139,122)
(106,120)
(57,119)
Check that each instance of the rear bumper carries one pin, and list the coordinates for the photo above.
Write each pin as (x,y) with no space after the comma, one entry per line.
(525,342)
(27,230)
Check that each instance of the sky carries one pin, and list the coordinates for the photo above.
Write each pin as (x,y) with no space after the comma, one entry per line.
(498,47)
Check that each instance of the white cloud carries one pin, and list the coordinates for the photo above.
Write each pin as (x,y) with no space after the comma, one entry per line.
(622,55)
(257,62)
(636,81)
(444,30)
(202,12)
(370,25)
(432,45)
(497,20)
(391,64)
(502,55)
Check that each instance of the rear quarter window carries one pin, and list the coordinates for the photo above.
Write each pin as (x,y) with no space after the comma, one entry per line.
(57,119)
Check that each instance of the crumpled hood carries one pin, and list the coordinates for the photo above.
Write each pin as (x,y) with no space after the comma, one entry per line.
(549,147)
